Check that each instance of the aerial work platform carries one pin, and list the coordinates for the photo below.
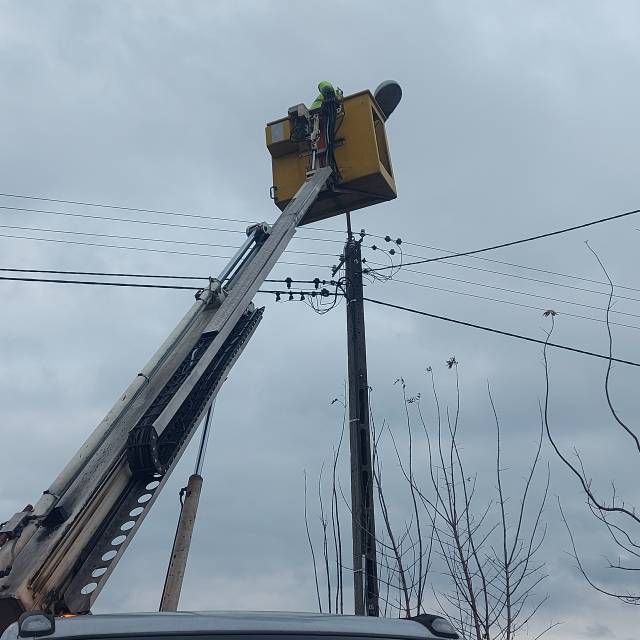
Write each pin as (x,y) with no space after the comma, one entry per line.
(57,554)
(363,174)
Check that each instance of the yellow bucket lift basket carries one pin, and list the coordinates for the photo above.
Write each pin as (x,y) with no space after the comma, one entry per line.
(361,154)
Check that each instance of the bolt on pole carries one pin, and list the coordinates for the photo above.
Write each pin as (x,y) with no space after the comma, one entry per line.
(365,574)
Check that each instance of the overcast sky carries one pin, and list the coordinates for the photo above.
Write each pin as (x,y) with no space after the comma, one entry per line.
(517,118)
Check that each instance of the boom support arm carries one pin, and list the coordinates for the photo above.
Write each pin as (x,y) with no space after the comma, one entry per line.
(59,554)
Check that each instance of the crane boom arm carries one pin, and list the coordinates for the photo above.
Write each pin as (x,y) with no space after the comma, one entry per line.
(58,554)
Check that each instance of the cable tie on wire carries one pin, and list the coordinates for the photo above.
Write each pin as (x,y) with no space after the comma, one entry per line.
(363,233)
(288,281)
(277,296)
(290,295)
(316,283)
(301,296)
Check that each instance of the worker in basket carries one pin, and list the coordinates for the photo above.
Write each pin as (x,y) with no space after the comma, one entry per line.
(327,92)
(387,95)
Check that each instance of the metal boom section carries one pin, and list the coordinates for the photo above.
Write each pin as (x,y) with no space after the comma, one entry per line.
(58,554)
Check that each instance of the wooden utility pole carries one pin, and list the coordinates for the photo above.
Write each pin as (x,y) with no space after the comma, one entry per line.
(365,574)
(186,523)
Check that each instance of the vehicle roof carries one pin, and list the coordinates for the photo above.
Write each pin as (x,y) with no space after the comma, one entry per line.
(236,622)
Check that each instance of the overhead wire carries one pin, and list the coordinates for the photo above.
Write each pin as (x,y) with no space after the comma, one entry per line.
(311,227)
(313,239)
(121,208)
(501,332)
(515,304)
(536,269)
(505,263)
(173,225)
(284,262)
(147,249)
(512,243)
(141,210)
(145,239)
(537,280)
(133,275)
(382,267)
(522,293)
(100,283)
(135,285)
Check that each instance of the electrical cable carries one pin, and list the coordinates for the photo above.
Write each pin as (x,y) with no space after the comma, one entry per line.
(509,264)
(135,275)
(530,279)
(100,283)
(521,293)
(150,222)
(145,239)
(135,285)
(182,253)
(122,208)
(515,304)
(142,210)
(503,333)
(512,243)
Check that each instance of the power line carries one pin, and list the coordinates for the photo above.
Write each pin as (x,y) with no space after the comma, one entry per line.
(100,283)
(529,279)
(521,293)
(145,239)
(512,303)
(173,225)
(508,264)
(140,275)
(122,208)
(142,210)
(113,246)
(503,333)
(103,273)
(138,285)
(522,240)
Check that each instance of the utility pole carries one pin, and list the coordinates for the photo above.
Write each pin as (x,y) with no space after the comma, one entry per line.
(186,522)
(365,574)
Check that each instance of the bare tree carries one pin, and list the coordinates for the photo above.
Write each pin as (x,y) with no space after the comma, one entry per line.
(440,526)
(614,514)
(489,555)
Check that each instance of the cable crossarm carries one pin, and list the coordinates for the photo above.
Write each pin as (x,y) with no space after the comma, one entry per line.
(58,554)
(503,333)
(513,243)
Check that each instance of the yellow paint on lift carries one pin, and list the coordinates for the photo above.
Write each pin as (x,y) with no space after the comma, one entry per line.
(362,156)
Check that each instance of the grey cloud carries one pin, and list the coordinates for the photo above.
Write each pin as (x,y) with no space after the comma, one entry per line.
(516,118)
